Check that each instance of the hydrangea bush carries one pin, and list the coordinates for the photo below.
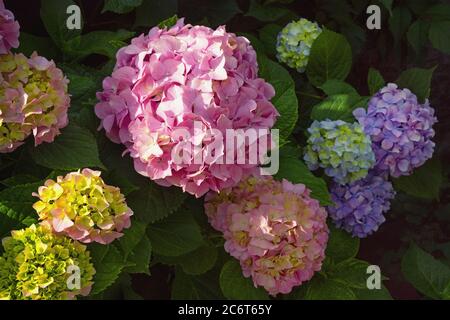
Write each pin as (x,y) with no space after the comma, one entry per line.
(357,169)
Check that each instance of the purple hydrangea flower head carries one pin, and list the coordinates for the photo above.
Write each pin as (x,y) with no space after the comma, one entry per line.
(359,206)
(400,128)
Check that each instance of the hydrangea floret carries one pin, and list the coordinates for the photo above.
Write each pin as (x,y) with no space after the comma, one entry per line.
(275,229)
(81,206)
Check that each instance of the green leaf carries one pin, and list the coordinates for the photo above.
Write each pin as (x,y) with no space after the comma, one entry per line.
(100,42)
(176,235)
(399,22)
(234,286)
(75,148)
(439,35)
(417,34)
(152,12)
(108,263)
(152,203)
(375,81)
(351,272)
(294,170)
(328,289)
(417,80)
(140,257)
(16,202)
(341,245)
(336,107)
(200,260)
(285,99)
(333,87)
(387,4)
(169,22)
(373,294)
(79,84)
(426,274)
(268,35)
(204,287)
(266,13)
(18,180)
(44,46)
(195,262)
(132,236)
(6,225)
(121,6)
(331,58)
(425,182)
(438,12)
(54,17)
(115,178)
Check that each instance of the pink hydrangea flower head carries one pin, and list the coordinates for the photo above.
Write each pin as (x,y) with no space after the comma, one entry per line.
(33,100)
(9,30)
(185,79)
(275,229)
(81,206)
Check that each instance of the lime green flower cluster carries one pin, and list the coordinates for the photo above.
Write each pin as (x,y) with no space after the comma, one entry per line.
(37,263)
(294,43)
(341,149)
(81,206)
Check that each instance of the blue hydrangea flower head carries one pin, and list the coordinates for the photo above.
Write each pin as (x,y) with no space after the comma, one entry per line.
(359,206)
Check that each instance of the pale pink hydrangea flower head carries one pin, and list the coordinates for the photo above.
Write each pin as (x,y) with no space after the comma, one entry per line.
(275,229)
(9,30)
(169,79)
(33,100)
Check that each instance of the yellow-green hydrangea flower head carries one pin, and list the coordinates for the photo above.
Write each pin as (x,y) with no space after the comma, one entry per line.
(294,43)
(38,265)
(342,149)
(33,100)
(81,206)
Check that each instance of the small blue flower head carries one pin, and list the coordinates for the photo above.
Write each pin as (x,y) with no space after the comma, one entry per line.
(340,148)
(294,43)
(358,207)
